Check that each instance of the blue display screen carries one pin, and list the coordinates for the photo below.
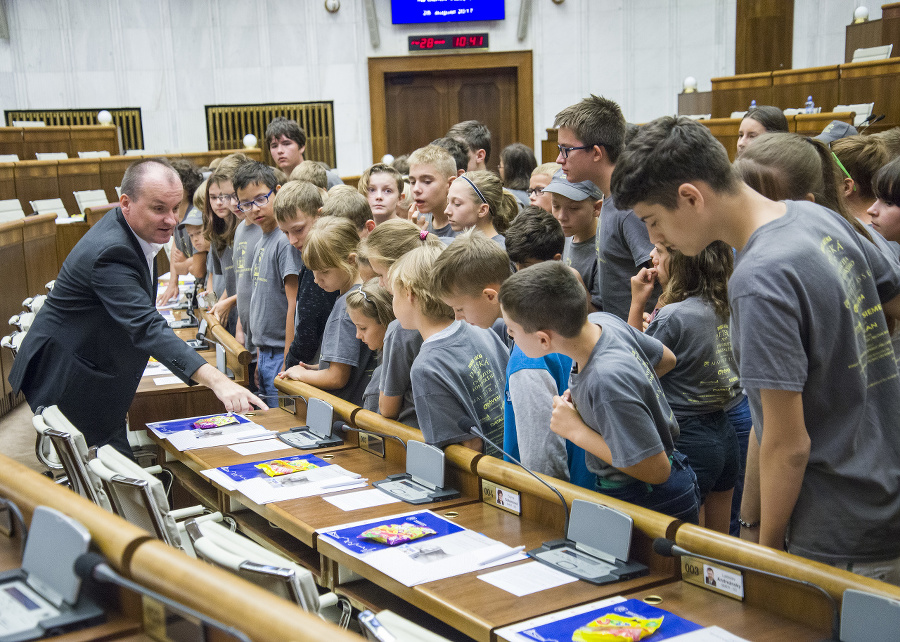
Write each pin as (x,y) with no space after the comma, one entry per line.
(422,11)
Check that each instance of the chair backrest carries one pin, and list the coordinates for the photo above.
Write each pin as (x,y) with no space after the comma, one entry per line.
(9,158)
(400,628)
(233,552)
(29,123)
(136,495)
(72,450)
(49,206)
(11,210)
(23,321)
(101,154)
(872,53)
(793,111)
(738,114)
(861,111)
(90,198)
(14,342)
(51,155)
(134,152)
(698,116)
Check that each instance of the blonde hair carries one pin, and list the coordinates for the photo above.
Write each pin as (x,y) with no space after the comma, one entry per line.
(502,205)
(392,239)
(372,300)
(470,264)
(437,157)
(547,169)
(345,202)
(380,168)
(330,244)
(228,165)
(310,172)
(414,273)
(199,197)
(297,195)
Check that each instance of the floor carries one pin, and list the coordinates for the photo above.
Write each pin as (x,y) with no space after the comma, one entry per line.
(17,437)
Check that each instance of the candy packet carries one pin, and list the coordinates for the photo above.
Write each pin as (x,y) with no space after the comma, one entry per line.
(219,421)
(617,628)
(393,534)
(278,467)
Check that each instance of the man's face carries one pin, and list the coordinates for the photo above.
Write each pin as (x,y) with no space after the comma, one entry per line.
(286,153)
(578,165)
(154,214)
(297,230)
(676,229)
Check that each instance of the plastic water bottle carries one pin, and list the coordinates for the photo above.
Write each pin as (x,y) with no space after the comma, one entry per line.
(810,105)
(752,104)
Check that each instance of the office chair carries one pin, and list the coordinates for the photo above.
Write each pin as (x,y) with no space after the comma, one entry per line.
(265,568)
(395,626)
(139,497)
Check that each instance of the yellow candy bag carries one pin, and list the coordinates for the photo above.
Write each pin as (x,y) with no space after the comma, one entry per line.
(617,628)
(278,467)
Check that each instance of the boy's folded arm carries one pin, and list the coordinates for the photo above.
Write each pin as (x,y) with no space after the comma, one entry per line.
(666,363)
(390,406)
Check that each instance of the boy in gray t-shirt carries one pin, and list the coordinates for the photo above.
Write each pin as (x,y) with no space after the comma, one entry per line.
(340,345)
(246,238)
(614,408)
(400,349)
(808,299)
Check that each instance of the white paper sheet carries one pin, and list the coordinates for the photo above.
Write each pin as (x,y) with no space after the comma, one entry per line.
(154,369)
(166,381)
(191,439)
(361,499)
(316,481)
(710,634)
(525,579)
(256,446)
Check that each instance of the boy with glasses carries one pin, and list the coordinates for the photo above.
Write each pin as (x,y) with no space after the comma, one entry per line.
(591,135)
(274,273)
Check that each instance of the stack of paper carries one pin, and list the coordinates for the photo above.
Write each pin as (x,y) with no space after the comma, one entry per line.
(253,482)
(452,550)
(182,434)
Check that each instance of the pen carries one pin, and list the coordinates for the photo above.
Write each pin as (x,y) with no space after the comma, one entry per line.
(500,556)
(345,482)
(257,435)
(209,433)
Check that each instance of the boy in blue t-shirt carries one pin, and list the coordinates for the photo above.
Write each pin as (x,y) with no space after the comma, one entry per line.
(614,408)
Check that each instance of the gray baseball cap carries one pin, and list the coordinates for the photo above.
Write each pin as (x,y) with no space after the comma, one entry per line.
(193,217)
(575,191)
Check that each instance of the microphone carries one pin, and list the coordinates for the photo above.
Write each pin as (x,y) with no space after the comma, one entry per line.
(93,566)
(340,425)
(871,120)
(465,426)
(668,548)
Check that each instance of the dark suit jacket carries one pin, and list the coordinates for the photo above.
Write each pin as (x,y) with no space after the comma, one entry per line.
(89,344)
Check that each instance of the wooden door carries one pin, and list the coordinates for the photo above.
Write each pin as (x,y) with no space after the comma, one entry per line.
(416,99)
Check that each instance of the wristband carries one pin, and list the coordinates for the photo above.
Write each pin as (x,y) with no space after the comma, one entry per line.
(747,524)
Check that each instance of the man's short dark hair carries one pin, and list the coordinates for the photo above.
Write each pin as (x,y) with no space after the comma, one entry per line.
(457,150)
(596,121)
(665,154)
(133,181)
(474,134)
(546,296)
(189,174)
(281,126)
(254,172)
(534,235)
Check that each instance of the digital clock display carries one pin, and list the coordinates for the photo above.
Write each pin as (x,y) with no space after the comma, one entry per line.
(449,41)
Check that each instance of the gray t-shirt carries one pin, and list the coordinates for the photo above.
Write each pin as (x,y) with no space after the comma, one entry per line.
(440,231)
(705,377)
(618,395)
(370,396)
(274,261)
(340,345)
(246,237)
(400,349)
(460,374)
(623,246)
(583,257)
(806,299)
(223,270)
(891,249)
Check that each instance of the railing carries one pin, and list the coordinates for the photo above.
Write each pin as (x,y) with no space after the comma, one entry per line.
(127,119)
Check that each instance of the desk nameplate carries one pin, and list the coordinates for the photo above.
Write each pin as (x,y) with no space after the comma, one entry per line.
(714,577)
(500,496)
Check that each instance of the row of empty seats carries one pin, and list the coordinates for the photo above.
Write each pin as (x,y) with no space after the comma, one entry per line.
(861,111)
(11,209)
(14,158)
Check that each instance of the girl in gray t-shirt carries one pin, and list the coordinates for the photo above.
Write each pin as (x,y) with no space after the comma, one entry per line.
(692,321)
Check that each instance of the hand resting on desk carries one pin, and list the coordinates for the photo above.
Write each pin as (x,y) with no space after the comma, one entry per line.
(235,397)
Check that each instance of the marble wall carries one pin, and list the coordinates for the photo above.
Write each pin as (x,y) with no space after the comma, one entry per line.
(172,57)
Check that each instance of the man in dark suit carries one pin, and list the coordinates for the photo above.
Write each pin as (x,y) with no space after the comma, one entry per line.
(89,344)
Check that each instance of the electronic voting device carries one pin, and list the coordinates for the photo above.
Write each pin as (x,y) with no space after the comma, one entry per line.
(317,431)
(596,548)
(423,482)
(44,596)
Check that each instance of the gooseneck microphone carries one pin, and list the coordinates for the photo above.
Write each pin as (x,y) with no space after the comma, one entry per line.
(465,426)
(668,548)
(94,566)
(340,425)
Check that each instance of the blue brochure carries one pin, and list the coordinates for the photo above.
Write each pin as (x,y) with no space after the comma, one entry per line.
(243,472)
(562,630)
(347,537)
(178,425)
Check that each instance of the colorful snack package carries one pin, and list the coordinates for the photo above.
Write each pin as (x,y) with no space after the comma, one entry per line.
(278,467)
(218,421)
(393,534)
(617,628)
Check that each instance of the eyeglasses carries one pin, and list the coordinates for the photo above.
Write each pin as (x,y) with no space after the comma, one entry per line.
(259,201)
(537,191)
(565,150)
(223,198)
